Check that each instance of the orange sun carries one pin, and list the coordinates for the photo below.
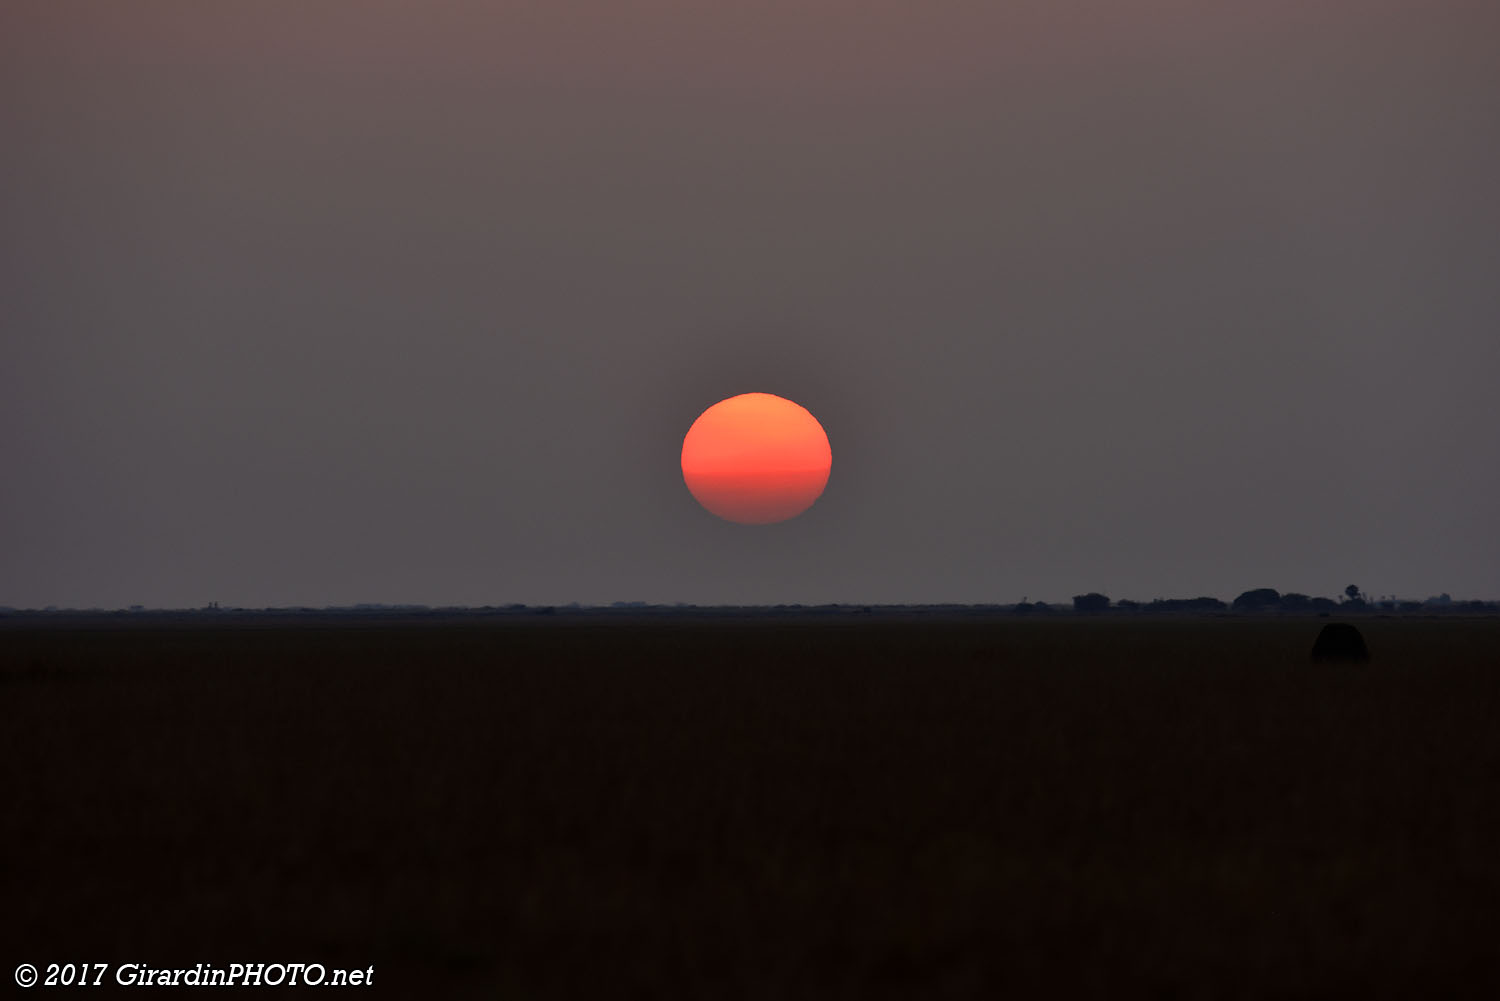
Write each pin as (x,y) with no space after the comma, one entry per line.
(756,459)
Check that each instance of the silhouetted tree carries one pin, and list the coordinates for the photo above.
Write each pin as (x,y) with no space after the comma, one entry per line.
(1258,600)
(1294,602)
(1091,602)
(1352,591)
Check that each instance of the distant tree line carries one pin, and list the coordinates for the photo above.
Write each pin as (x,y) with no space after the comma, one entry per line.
(1267,599)
(1094,602)
(1175,605)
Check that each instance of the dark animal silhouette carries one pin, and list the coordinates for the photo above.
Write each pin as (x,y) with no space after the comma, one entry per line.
(1340,641)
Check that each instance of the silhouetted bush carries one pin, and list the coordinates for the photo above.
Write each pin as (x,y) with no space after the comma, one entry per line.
(1340,641)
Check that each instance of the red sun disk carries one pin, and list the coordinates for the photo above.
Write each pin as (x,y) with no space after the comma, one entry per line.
(756,459)
(754,499)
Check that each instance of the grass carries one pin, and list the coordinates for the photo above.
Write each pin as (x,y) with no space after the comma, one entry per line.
(832,808)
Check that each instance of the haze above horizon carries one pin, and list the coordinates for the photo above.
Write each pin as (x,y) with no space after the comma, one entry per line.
(325,301)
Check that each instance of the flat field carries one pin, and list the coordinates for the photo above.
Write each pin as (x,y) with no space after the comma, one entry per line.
(841,807)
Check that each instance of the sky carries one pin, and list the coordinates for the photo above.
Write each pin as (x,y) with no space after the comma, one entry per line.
(338,301)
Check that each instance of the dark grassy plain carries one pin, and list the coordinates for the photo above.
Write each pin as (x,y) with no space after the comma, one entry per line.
(839,807)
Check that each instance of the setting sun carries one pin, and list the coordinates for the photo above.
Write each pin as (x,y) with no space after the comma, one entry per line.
(756,459)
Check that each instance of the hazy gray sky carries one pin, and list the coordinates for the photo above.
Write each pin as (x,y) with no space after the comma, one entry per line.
(331,301)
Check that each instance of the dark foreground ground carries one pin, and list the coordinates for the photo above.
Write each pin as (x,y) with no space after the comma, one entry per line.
(763,809)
